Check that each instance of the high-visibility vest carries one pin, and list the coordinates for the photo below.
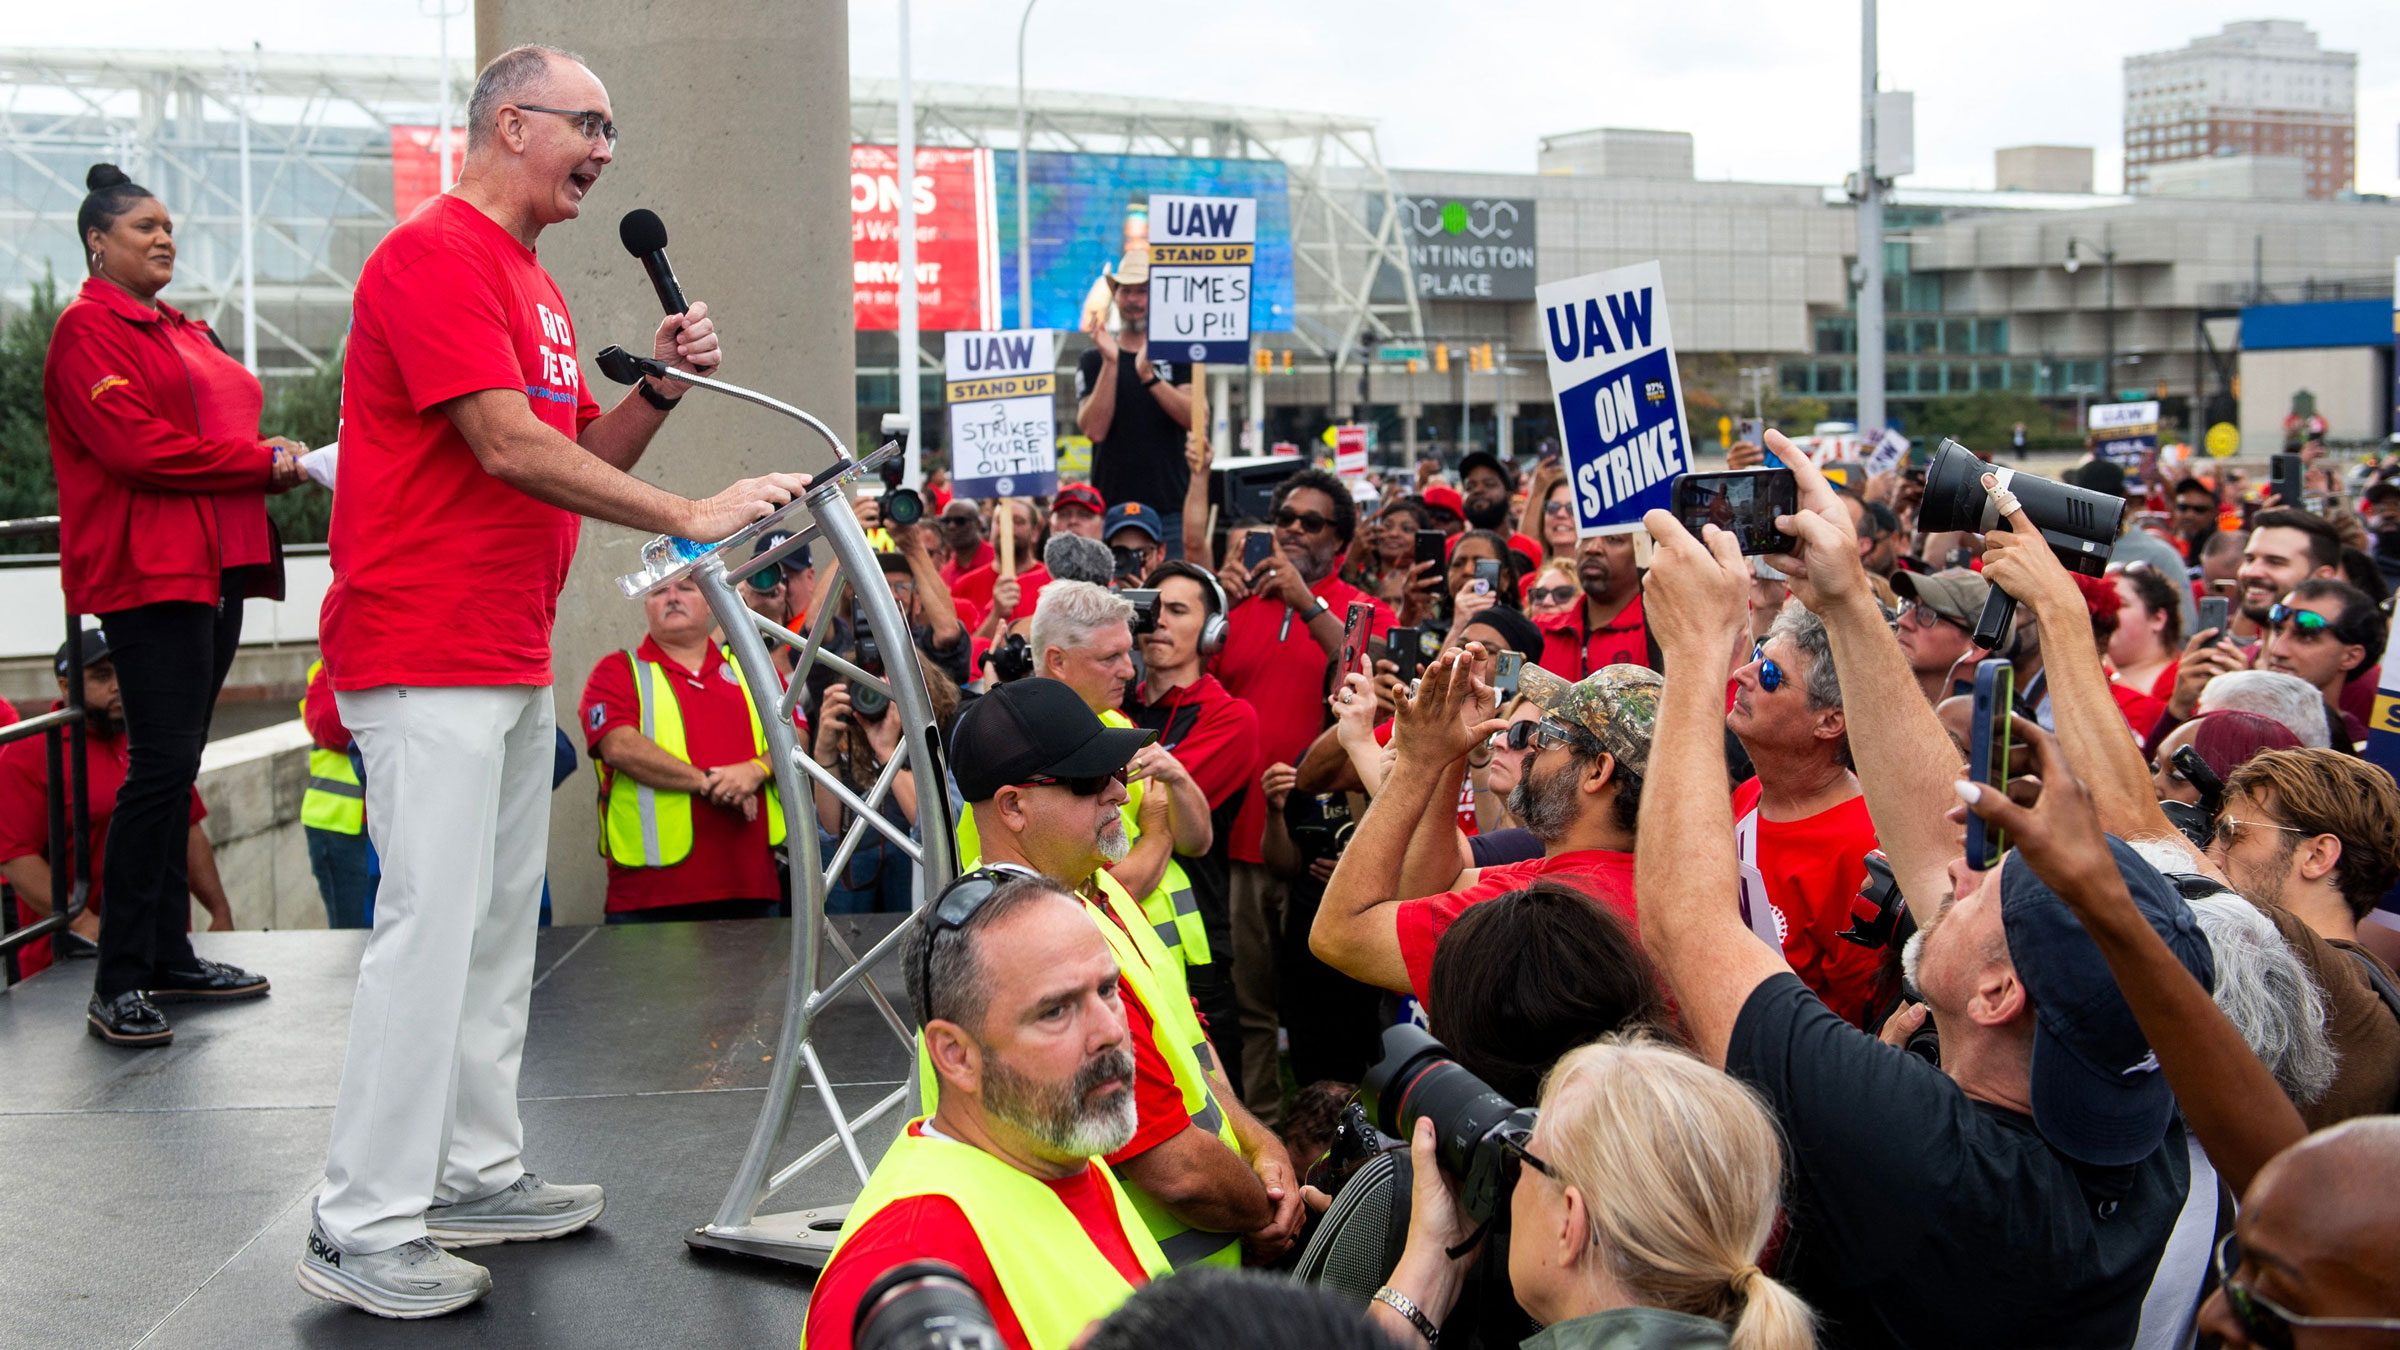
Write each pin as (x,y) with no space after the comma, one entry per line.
(1170,909)
(1056,1279)
(336,800)
(1157,980)
(643,826)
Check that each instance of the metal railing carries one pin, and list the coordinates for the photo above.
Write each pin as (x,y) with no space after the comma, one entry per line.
(70,820)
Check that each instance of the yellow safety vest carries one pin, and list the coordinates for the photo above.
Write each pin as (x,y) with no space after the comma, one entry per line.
(1157,981)
(641,826)
(1170,910)
(335,799)
(1056,1279)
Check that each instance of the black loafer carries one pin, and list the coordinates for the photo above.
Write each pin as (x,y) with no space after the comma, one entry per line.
(129,1019)
(214,979)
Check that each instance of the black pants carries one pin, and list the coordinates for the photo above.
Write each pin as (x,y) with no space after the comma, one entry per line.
(171,660)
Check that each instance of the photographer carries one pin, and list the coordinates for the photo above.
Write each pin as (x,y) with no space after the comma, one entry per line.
(857,733)
(1045,779)
(1647,1193)
(1023,1024)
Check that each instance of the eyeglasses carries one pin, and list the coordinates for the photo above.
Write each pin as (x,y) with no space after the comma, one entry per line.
(1927,616)
(593,125)
(1551,595)
(1308,522)
(2308,621)
(1086,786)
(1770,675)
(955,906)
(1543,734)
(2269,1324)
(2229,830)
(1515,1141)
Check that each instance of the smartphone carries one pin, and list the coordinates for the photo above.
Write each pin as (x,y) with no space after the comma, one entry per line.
(1400,647)
(2213,613)
(2289,480)
(1433,547)
(1487,575)
(1987,755)
(1512,665)
(1257,547)
(1745,502)
(1354,638)
(1754,430)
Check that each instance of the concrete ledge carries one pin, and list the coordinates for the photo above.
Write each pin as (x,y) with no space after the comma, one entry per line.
(252,785)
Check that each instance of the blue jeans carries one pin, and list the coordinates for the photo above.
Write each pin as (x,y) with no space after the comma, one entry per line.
(344,880)
(879,878)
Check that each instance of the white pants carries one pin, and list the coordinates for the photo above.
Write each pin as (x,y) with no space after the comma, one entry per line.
(458,806)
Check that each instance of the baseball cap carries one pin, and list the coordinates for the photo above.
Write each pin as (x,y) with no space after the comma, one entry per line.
(1954,593)
(1446,497)
(766,578)
(1035,728)
(2098,1095)
(1132,516)
(1486,459)
(1133,269)
(2099,475)
(95,650)
(1617,704)
(1083,495)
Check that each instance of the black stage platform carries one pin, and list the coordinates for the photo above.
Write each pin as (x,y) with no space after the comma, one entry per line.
(159,1198)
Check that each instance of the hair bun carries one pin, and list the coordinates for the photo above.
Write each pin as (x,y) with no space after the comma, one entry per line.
(105,176)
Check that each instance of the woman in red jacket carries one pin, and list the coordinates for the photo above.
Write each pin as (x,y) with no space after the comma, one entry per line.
(162,483)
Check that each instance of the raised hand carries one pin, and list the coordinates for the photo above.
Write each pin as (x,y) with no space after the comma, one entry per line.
(1827,570)
(1451,712)
(1696,595)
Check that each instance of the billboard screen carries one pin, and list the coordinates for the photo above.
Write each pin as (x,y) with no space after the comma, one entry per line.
(954,238)
(1087,208)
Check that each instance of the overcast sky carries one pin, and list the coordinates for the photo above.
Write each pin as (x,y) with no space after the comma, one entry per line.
(1769,90)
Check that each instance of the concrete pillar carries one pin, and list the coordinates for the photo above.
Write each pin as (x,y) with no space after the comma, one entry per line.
(736,130)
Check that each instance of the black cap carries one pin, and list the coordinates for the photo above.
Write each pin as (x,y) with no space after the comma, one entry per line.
(1488,460)
(1035,728)
(95,650)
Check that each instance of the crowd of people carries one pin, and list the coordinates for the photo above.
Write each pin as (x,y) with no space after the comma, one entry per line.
(1662,840)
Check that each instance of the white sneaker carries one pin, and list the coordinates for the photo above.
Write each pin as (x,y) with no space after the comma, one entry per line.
(414,1279)
(527,1211)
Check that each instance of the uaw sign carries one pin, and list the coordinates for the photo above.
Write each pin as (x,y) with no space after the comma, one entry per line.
(1201,252)
(1470,248)
(1618,396)
(2125,434)
(1003,414)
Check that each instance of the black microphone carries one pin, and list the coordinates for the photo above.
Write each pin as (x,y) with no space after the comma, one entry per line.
(645,237)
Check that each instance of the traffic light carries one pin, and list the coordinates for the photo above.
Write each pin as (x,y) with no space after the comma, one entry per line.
(1263,361)
(1488,364)
(1441,358)
(1412,365)
(1287,360)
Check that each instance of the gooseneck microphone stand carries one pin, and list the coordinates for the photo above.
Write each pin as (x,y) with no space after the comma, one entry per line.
(806,1236)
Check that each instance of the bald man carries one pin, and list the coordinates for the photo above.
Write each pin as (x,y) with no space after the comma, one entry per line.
(2319,1238)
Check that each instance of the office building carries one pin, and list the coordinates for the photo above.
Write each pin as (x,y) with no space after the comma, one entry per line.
(2260,87)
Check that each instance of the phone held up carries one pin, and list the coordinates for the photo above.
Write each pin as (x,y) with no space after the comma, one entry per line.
(1744,502)
(1354,636)
(2214,612)
(1257,547)
(1987,755)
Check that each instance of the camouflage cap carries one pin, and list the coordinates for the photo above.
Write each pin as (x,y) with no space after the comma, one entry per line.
(1617,704)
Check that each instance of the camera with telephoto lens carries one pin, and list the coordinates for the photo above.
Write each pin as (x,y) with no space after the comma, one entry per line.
(1010,660)
(1145,609)
(1320,824)
(1880,910)
(901,506)
(867,701)
(1476,1130)
(2079,524)
(923,1305)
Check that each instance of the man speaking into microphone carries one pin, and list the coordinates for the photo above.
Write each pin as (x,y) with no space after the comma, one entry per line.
(469,451)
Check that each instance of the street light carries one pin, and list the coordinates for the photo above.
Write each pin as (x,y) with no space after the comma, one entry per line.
(2108,300)
(1024,225)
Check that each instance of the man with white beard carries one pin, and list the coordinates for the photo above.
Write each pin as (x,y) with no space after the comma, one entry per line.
(1046,779)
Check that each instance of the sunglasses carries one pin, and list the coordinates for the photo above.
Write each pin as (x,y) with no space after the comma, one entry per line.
(1543,734)
(1089,785)
(956,905)
(1515,1141)
(595,126)
(1551,595)
(1308,522)
(2269,1324)
(1770,675)
(2308,621)
(1558,508)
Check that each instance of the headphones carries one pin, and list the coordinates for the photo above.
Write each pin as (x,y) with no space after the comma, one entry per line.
(1214,629)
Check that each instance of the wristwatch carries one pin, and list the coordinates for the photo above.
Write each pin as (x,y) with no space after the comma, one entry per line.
(1322,607)
(1407,1307)
(1151,381)
(654,398)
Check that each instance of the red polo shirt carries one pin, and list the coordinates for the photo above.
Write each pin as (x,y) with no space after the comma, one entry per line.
(1213,733)
(1279,669)
(1570,650)
(729,858)
(1604,876)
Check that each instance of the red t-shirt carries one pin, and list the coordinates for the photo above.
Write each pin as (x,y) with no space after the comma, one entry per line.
(958,567)
(729,858)
(1605,876)
(1466,785)
(1157,1101)
(2141,711)
(1280,670)
(1812,869)
(443,574)
(1570,651)
(25,811)
(1213,733)
(977,586)
(933,1227)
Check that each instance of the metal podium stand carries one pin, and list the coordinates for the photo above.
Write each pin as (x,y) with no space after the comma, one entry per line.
(806,1236)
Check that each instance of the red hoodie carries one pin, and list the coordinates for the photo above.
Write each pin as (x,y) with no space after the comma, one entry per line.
(161,473)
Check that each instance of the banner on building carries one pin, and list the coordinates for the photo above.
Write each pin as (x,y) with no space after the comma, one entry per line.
(1469,248)
(1003,412)
(2126,435)
(957,235)
(1618,396)
(1201,253)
